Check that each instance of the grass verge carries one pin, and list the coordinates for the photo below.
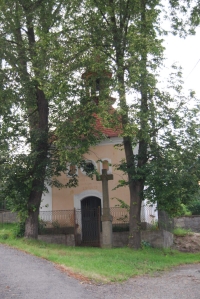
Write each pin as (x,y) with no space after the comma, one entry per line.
(105,265)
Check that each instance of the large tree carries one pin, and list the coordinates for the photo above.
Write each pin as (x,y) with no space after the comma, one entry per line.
(27,31)
(152,119)
(40,53)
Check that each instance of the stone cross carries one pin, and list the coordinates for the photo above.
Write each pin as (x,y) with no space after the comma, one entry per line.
(106,217)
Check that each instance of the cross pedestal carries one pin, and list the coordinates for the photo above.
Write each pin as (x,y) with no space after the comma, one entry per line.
(106,217)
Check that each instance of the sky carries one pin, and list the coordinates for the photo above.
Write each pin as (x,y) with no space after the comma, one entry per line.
(186,53)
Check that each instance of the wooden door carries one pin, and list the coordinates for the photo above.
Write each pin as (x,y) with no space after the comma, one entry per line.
(90,214)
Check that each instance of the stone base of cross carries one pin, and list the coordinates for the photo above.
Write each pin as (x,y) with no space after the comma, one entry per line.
(106,217)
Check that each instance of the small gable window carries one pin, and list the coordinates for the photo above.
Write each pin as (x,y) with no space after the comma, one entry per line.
(106,164)
(72,170)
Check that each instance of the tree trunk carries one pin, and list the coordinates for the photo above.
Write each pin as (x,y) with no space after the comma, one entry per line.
(31,224)
(135,186)
(40,146)
(136,189)
(136,196)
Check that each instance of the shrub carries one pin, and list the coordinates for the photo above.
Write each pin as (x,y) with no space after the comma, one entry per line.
(120,228)
(4,236)
(184,211)
(181,232)
(19,230)
(145,244)
(41,226)
(194,207)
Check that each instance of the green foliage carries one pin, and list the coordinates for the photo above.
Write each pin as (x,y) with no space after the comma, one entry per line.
(172,178)
(42,100)
(123,205)
(4,236)
(181,232)
(120,228)
(41,226)
(154,225)
(146,244)
(56,224)
(165,169)
(194,207)
(185,211)
(19,230)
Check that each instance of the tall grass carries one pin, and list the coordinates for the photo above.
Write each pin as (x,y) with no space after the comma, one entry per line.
(107,265)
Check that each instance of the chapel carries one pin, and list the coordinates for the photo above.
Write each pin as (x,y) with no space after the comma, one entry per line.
(88,194)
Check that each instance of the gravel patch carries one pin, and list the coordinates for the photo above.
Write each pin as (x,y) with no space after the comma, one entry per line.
(182,282)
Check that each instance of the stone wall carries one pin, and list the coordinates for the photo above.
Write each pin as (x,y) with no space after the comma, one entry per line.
(8,217)
(157,238)
(188,222)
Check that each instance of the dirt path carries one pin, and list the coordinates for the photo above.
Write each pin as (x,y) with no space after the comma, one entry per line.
(23,276)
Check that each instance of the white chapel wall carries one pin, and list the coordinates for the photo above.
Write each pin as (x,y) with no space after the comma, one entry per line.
(46,203)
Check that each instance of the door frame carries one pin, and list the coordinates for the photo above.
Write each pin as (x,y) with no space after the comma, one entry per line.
(86,193)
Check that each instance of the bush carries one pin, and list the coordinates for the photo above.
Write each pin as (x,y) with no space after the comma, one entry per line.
(194,207)
(120,228)
(19,230)
(4,236)
(145,244)
(41,226)
(184,211)
(181,232)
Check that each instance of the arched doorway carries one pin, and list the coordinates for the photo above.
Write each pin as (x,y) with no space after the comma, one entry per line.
(90,215)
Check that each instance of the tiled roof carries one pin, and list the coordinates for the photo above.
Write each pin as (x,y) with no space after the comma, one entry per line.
(108,132)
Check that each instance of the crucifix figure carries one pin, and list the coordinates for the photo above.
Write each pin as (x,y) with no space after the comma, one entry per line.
(106,217)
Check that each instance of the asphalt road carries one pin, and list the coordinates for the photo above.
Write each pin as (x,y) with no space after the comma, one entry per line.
(23,276)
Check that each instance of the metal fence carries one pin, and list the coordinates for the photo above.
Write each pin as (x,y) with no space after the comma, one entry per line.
(57,222)
(149,218)
(7,217)
(84,224)
(71,221)
(120,219)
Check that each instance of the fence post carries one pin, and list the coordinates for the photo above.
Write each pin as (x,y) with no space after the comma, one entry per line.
(75,229)
(99,225)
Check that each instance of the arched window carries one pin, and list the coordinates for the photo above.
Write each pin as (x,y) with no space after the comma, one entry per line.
(89,167)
